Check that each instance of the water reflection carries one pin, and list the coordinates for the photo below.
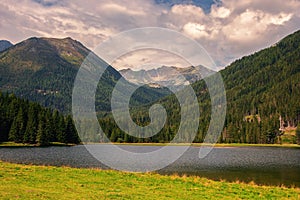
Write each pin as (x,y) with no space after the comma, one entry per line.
(262,165)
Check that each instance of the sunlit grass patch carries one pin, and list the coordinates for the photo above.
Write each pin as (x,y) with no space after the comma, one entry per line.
(44,182)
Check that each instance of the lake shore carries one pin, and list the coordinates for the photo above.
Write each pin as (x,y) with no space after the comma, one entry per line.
(214,145)
(47,182)
(229,145)
(261,165)
(13,144)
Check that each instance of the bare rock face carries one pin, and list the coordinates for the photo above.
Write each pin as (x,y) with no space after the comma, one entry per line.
(173,77)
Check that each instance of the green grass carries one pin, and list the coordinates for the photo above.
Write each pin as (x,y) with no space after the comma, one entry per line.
(215,145)
(44,182)
(13,144)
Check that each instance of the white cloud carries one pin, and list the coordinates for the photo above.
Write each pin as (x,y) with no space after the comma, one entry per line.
(195,30)
(144,59)
(251,25)
(232,29)
(220,12)
(112,7)
(187,10)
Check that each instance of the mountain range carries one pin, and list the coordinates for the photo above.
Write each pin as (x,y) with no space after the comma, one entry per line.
(171,77)
(260,89)
(44,69)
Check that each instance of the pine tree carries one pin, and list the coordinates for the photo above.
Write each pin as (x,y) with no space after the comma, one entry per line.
(71,133)
(42,138)
(61,130)
(32,125)
(4,125)
(18,127)
(55,121)
(114,136)
(298,134)
(49,126)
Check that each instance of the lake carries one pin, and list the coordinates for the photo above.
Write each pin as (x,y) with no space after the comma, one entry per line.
(262,165)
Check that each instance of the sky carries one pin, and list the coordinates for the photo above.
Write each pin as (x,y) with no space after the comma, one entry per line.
(227,29)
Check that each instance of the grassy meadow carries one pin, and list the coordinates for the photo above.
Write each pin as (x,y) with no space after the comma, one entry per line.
(47,182)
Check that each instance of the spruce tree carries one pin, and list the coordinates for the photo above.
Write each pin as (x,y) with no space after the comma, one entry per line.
(18,127)
(4,129)
(71,133)
(61,130)
(55,120)
(298,134)
(49,126)
(32,125)
(42,138)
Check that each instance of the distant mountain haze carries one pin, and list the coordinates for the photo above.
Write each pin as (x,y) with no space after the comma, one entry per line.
(168,76)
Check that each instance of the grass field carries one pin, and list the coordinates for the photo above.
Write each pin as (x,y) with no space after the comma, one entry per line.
(44,182)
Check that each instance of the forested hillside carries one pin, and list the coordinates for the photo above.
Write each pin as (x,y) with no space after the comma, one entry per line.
(260,89)
(22,121)
(43,70)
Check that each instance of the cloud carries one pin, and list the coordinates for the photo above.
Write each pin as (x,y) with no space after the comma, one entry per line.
(251,25)
(229,30)
(195,30)
(220,12)
(236,28)
(150,58)
(112,7)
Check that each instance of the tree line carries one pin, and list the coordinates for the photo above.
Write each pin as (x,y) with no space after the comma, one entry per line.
(260,89)
(22,121)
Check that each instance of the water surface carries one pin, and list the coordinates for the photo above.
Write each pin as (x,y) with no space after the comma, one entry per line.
(262,165)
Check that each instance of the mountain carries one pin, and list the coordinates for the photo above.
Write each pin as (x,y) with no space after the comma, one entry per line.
(4,44)
(260,88)
(44,69)
(171,77)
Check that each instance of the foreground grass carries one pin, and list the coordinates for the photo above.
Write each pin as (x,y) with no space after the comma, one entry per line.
(43,182)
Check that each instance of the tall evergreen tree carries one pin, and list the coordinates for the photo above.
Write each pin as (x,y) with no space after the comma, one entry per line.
(42,139)
(56,128)
(71,133)
(61,130)
(49,126)
(4,125)
(32,124)
(298,134)
(18,127)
